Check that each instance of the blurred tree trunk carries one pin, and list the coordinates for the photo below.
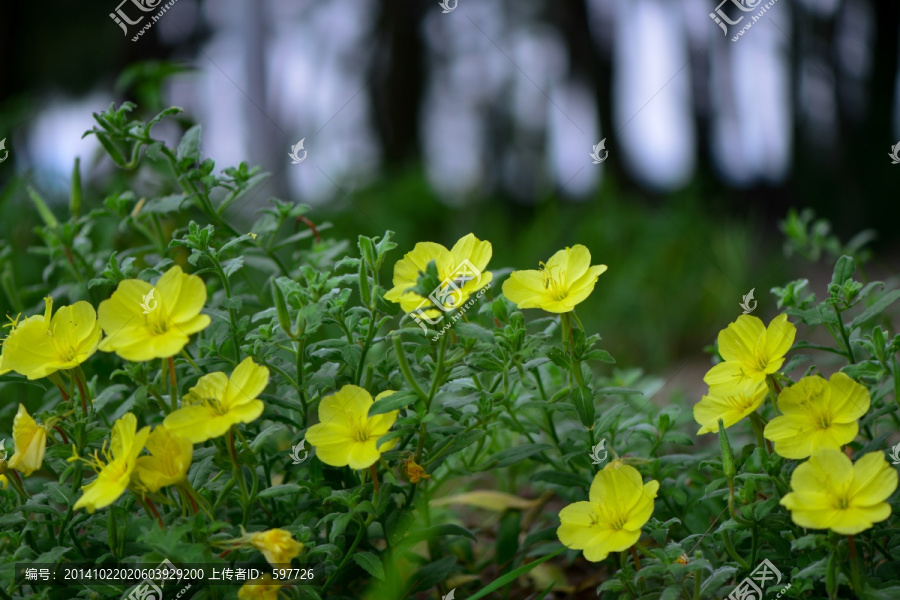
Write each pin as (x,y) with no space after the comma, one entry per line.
(396,78)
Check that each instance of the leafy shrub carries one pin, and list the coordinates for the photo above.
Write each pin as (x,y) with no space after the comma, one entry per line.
(440,460)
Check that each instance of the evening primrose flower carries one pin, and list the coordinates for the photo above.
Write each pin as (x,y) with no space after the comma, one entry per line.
(817,414)
(277,545)
(168,463)
(564,281)
(450,264)
(138,334)
(115,471)
(346,435)
(264,588)
(830,492)
(751,351)
(44,344)
(31,443)
(730,405)
(620,503)
(217,402)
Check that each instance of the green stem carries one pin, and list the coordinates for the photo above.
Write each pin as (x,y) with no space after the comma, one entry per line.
(844,335)
(407,372)
(739,519)
(729,547)
(347,556)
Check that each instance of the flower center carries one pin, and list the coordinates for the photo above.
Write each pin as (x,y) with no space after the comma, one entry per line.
(360,430)
(741,402)
(554,282)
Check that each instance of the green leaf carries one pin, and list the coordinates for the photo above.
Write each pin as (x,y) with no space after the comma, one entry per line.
(563,478)
(395,401)
(717,579)
(279,490)
(189,146)
(371,563)
(875,309)
(432,574)
(430,533)
(166,204)
(512,576)
(583,399)
(843,270)
(513,455)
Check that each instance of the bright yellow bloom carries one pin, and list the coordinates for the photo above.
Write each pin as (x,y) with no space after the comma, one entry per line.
(830,492)
(4,482)
(44,344)
(566,280)
(264,588)
(277,545)
(346,435)
(115,471)
(31,443)
(138,334)
(620,504)
(817,414)
(730,405)
(450,266)
(751,351)
(168,463)
(217,402)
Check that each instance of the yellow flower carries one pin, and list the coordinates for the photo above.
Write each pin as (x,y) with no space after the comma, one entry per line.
(115,471)
(830,492)
(620,503)
(751,351)
(138,334)
(277,545)
(4,482)
(168,463)
(42,345)
(450,266)
(817,414)
(264,588)
(31,443)
(346,435)
(730,405)
(217,402)
(564,281)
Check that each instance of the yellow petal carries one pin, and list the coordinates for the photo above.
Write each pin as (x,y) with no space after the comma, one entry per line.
(849,400)
(738,341)
(780,336)
(31,443)
(874,480)
(246,383)
(474,250)
(184,295)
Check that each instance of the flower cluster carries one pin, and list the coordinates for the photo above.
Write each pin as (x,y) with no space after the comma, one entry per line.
(815,419)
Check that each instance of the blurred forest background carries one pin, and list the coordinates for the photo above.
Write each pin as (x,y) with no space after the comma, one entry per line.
(482,120)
